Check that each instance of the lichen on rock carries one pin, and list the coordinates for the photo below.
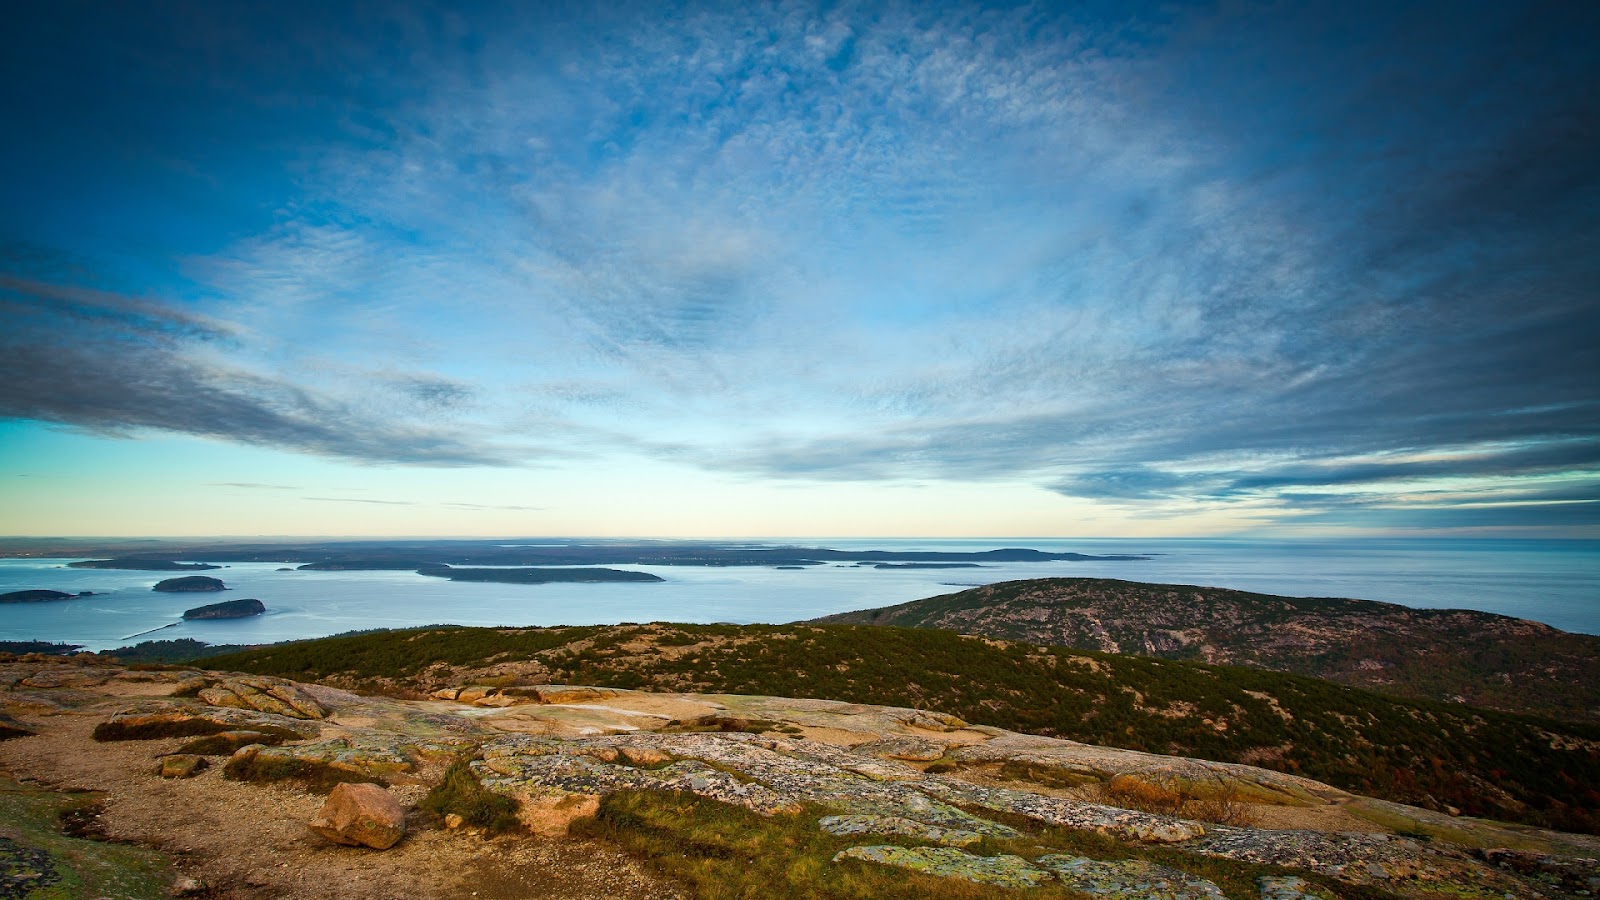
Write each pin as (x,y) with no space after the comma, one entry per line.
(948,862)
(1129,878)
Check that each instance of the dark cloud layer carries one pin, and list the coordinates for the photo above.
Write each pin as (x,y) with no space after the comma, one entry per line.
(113,365)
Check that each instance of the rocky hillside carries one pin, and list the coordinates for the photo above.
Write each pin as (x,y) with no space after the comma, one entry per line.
(501,789)
(1452,655)
(1443,756)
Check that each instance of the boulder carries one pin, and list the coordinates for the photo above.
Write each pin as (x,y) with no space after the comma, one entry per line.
(181,765)
(361,815)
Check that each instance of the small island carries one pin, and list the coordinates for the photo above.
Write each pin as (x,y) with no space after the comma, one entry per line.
(41,596)
(928,565)
(538,575)
(228,609)
(189,584)
(139,565)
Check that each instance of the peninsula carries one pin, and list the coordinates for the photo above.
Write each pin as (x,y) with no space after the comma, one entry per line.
(140,565)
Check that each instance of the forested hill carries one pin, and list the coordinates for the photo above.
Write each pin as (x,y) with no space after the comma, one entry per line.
(1452,655)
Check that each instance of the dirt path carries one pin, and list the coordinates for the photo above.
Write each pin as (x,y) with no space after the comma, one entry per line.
(248,841)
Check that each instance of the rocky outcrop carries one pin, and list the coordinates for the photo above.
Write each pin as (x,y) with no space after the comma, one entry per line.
(1128,878)
(173,718)
(852,771)
(361,815)
(266,694)
(947,862)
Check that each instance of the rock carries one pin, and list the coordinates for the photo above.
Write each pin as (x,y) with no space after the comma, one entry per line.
(174,718)
(550,812)
(11,728)
(1129,878)
(273,695)
(184,886)
(851,826)
(70,678)
(1127,824)
(226,743)
(1288,887)
(371,756)
(929,720)
(361,815)
(453,821)
(445,693)
(561,693)
(181,765)
(644,757)
(946,862)
(915,749)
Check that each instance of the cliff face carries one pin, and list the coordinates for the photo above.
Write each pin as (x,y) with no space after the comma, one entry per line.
(1450,655)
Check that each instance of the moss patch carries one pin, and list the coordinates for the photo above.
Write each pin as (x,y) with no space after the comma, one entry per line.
(31,841)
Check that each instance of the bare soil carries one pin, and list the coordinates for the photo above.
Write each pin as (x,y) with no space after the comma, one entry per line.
(250,842)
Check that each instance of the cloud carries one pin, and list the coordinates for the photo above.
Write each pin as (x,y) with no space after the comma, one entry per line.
(251,485)
(115,365)
(1249,256)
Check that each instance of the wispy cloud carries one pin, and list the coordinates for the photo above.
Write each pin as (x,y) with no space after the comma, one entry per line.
(1285,259)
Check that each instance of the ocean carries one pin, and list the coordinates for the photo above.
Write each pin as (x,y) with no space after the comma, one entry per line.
(1556,582)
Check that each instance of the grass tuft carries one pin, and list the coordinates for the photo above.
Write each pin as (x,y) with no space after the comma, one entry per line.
(461,793)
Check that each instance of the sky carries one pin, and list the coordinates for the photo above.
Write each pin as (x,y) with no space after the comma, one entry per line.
(1274,269)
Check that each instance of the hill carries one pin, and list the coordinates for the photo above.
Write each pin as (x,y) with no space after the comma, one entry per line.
(1451,655)
(1441,756)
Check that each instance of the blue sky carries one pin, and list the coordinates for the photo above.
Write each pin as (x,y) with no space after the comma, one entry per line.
(852,269)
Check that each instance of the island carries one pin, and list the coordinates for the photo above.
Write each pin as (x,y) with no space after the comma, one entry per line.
(928,565)
(538,575)
(41,596)
(228,609)
(189,584)
(140,565)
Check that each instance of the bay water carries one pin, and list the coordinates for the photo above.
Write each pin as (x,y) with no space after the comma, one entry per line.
(1556,582)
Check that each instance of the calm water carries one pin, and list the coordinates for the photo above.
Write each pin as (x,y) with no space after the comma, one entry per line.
(1553,582)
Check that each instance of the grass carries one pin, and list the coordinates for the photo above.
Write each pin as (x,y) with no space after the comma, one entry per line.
(31,824)
(721,851)
(459,792)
